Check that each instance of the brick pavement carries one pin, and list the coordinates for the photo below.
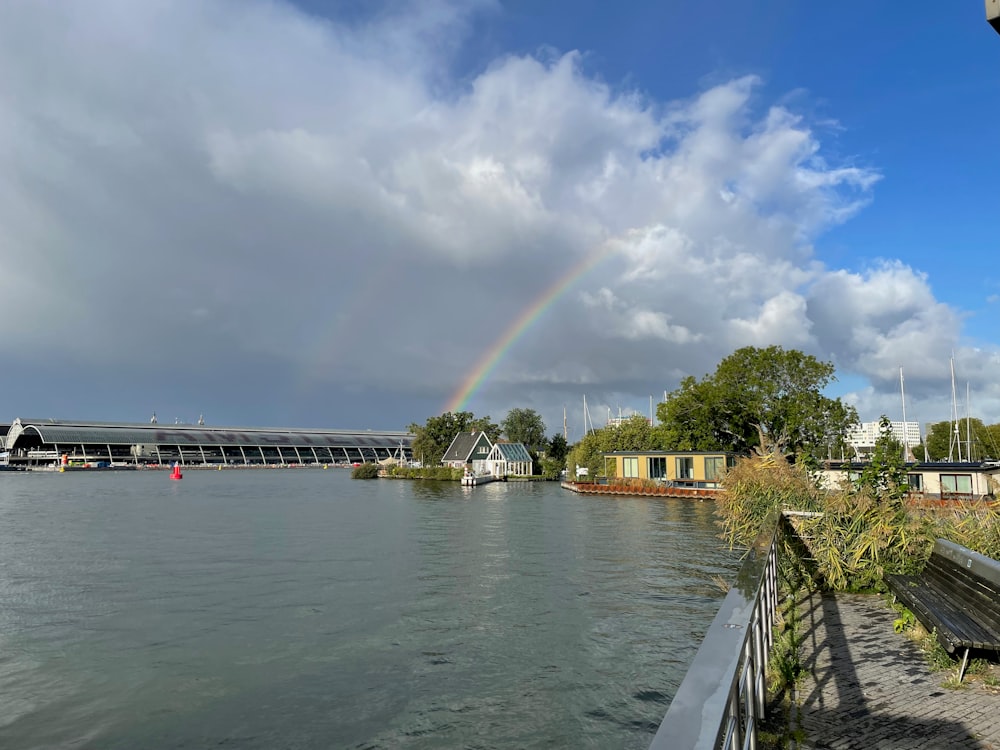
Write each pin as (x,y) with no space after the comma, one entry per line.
(867,687)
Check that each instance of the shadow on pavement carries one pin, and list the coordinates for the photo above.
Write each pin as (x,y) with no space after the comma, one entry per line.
(866,687)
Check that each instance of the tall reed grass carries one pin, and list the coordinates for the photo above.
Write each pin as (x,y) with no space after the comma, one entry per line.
(860,532)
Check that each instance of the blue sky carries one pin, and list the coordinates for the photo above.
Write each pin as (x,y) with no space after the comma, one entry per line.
(326,213)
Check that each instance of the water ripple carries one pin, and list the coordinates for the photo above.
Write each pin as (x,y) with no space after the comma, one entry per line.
(302,609)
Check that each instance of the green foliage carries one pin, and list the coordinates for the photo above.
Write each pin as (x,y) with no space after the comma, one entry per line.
(432,439)
(551,468)
(764,398)
(365,471)
(525,426)
(942,441)
(439,473)
(756,489)
(973,524)
(905,621)
(588,453)
(557,448)
(785,666)
(884,476)
(856,537)
(860,537)
(690,420)
(633,434)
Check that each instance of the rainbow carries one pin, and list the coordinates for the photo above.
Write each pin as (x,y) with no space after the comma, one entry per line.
(491,358)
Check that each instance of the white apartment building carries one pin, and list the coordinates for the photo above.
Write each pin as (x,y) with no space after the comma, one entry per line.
(862,438)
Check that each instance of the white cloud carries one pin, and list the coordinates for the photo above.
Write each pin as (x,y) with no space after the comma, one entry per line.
(227,182)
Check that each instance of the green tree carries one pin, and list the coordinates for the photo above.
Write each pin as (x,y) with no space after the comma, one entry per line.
(483,424)
(557,448)
(525,426)
(688,419)
(938,440)
(589,454)
(991,441)
(551,468)
(632,434)
(432,439)
(884,476)
(943,440)
(768,398)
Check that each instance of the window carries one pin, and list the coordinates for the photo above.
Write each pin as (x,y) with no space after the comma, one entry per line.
(657,467)
(685,468)
(957,483)
(482,449)
(630,467)
(714,467)
(916,482)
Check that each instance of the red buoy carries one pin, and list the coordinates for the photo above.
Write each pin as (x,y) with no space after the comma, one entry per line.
(177,472)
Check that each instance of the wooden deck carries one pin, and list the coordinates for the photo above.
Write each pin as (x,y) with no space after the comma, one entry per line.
(618,488)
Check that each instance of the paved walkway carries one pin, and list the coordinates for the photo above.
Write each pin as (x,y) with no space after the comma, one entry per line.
(867,687)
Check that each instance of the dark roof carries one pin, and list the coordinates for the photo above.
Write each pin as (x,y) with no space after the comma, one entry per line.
(923,465)
(462,446)
(52,431)
(671,453)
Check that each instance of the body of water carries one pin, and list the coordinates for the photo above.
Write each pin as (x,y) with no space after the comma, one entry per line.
(303,609)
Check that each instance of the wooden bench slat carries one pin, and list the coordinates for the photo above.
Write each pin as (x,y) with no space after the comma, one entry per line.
(964,620)
(953,599)
(955,627)
(972,593)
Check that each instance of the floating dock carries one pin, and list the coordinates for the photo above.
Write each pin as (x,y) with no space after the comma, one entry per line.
(474,480)
(666,490)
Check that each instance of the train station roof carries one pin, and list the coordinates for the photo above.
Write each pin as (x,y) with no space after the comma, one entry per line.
(66,432)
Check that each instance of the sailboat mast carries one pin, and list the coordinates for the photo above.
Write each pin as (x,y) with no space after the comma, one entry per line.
(956,436)
(968,424)
(906,435)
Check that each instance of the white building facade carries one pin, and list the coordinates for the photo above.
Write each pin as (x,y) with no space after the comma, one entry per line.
(862,438)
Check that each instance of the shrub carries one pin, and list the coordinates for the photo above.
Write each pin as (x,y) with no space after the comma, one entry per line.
(973,524)
(758,487)
(859,533)
(365,471)
(444,473)
(858,539)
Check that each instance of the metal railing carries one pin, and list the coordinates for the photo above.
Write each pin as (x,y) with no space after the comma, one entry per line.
(722,697)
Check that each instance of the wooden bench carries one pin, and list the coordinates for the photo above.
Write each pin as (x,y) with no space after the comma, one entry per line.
(957,595)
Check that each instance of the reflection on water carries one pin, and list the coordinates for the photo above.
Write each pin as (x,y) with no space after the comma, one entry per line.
(304,609)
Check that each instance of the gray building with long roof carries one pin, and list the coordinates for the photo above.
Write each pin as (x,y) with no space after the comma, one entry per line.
(45,441)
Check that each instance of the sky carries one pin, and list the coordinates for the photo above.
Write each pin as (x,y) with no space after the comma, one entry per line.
(362,213)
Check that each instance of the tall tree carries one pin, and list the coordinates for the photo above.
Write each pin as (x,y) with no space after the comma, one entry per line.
(687,419)
(557,447)
(770,398)
(525,426)
(632,434)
